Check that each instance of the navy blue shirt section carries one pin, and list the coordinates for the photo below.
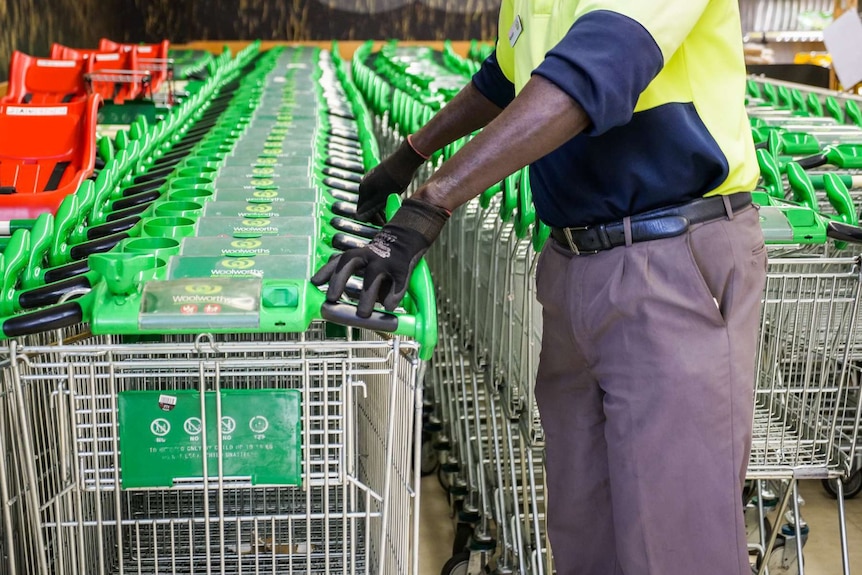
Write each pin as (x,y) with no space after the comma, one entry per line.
(492,83)
(604,63)
(663,156)
(625,163)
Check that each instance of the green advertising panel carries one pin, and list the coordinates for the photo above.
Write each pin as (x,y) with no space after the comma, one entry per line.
(162,436)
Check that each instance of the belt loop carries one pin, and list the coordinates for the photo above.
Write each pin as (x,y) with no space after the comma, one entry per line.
(727,206)
(627,230)
(572,246)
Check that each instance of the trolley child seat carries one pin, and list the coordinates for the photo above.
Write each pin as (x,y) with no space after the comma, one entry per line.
(44,81)
(153,58)
(115,76)
(46,152)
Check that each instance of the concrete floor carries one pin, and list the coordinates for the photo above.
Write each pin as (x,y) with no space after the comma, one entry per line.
(822,551)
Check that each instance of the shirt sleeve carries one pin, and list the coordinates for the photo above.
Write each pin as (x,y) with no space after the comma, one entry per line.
(604,62)
(493,83)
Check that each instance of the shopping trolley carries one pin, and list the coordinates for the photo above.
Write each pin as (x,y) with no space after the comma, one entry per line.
(221,452)
(803,388)
(307,440)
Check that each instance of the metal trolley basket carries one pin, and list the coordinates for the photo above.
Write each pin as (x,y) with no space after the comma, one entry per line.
(803,391)
(308,442)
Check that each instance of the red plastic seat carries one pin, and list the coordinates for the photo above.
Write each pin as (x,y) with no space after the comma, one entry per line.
(114,75)
(61,52)
(46,152)
(43,81)
(152,57)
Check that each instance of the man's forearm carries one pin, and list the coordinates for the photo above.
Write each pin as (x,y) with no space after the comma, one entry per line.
(538,121)
(468,111)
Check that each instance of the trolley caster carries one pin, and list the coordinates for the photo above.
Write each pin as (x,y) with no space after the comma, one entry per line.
(852,485)
(428,459)
(457,564)
(442,477)
(783,559)
(463,534)
(469,514)
(459,487)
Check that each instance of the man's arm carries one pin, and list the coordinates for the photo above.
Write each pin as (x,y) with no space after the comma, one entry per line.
(479,102)
(538,121)
(467,112)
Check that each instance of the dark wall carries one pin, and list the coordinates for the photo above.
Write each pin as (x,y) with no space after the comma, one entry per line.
(311,19)
(32,25)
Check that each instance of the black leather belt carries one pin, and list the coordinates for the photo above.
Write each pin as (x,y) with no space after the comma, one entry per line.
(653,225)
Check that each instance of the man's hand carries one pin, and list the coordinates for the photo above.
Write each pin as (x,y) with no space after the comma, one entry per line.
(387,262)
(391,176)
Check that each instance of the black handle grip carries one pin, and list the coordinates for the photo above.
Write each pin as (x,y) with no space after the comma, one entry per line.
(844,232)
(353,287)
(343,164)
(351,135)
(761,145)
(188,141)
(812,161)
(344,242)
(351,151)
(344,196)
(176,154)
(101,245)
(113,227)
(352,156)
(56,317)
(153,175)
(344,209)
(49,294)
(72,269)
(340,174)
(129,201)
(346,142)
(199,130)
(145,187)
(342,185)
(127,213)
(341,125)
(354,227)
(341,112)
(345,314)
(172,161)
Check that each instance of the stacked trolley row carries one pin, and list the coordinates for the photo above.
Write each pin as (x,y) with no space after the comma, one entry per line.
(811,141)
(484,422)
(45,260)
(481,424)
(210,417)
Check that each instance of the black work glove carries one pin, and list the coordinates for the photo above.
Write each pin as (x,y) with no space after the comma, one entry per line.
(387,262)
(391,176)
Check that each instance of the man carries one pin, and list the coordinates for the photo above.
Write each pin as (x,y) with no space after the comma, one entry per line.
(631,115)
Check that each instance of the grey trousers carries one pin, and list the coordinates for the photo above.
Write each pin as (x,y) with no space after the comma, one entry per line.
(645,390)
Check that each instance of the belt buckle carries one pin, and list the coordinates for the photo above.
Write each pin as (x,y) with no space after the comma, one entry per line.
(568,233)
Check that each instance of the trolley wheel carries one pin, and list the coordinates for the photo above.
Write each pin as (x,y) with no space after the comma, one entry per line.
(457,564)
(852,485)
(442,479)
(463,533)
(777,565)
(752,528)
(428,459)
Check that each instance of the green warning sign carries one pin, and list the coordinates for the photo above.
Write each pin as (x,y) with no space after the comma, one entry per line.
(163,436)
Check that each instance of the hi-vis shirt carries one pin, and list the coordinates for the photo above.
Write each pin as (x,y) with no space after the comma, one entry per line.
(663,82)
